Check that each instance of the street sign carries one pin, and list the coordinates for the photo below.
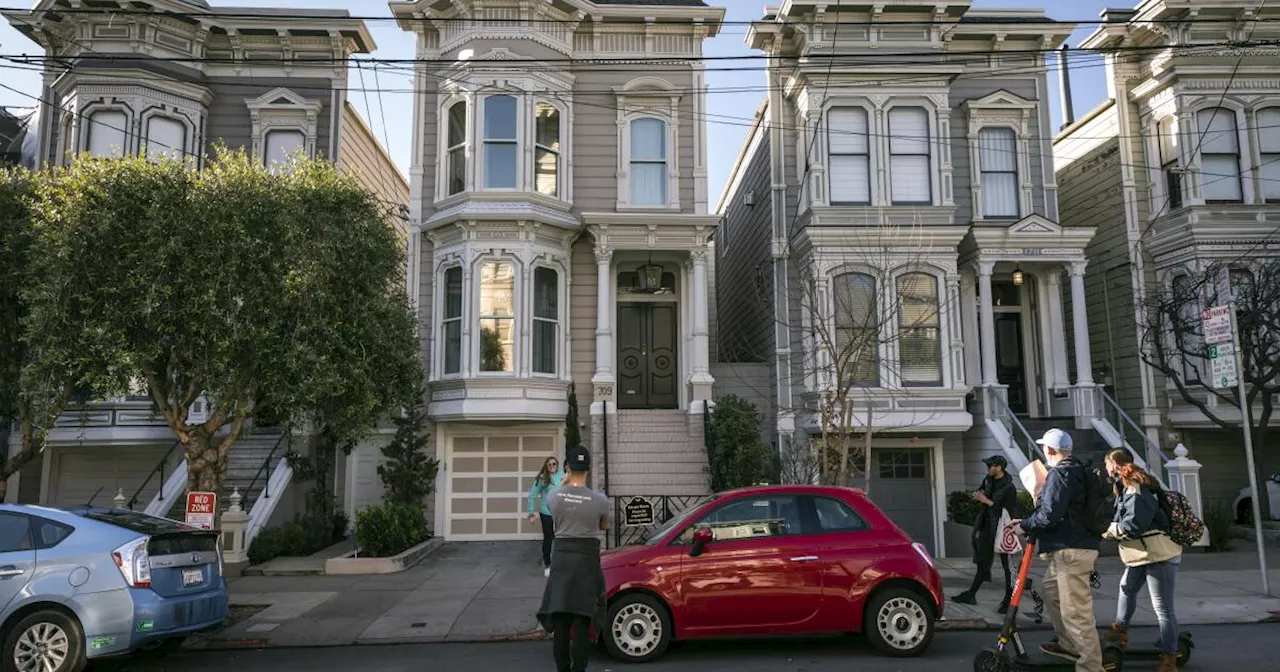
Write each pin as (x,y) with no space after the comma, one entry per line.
(200,509)
(1222,365)
(1222,284)
(1217,325)
(639,511)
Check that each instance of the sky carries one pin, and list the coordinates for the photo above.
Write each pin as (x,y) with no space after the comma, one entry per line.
(731,102)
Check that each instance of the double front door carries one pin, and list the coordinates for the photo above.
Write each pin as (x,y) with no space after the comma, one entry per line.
(647,347)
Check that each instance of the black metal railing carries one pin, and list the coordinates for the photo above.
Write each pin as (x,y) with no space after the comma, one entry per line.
(709,443)
(636,517)
(285,438)
(159,469)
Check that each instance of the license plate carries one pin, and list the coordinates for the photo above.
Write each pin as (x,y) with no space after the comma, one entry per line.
(192,577)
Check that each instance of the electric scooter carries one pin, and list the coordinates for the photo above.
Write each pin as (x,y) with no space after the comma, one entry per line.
(1185,645)
(1001,659)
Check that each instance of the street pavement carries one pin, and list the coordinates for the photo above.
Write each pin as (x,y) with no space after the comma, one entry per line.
(1217,648)
(489,591)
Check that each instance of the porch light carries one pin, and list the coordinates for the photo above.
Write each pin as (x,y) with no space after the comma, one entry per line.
(1017,277)
(649,277)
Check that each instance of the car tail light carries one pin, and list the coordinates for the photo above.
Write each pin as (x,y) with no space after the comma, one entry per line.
(924,552)
(134,563)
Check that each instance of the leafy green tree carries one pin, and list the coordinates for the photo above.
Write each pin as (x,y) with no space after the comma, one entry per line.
(572,430)
(231,284)
(741,458)
(409,473)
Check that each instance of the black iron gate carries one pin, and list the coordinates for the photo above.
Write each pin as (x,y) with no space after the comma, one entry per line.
(635,517)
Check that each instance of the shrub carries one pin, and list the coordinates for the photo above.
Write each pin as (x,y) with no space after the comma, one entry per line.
(409,473)
(1218,519)
(741,458)
(307,534)
(961,507)
(390,529)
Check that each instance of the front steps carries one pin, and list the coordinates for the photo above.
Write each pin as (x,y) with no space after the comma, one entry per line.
(656,452)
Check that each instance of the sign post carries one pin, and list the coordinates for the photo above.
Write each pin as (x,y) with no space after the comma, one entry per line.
(201,509)
(1224,352)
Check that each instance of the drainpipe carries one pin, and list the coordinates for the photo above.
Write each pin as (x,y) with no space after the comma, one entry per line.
(1064,87)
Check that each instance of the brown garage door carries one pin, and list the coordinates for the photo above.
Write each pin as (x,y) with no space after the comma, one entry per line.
(488,485)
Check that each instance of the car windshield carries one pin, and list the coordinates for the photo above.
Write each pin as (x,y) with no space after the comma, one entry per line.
(138,522)
(666,527)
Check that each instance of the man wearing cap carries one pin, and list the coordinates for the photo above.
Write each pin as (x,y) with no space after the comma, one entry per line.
(1058,526)
(573,599)
(998,496)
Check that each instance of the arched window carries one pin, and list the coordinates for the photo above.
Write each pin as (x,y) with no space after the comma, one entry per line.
(998,156)
(108,133)
(501,148)
(457,148)
(282,147)
(849,155)
(919,332)
(857,338)
(1219,155)
(649,162)
(546,152)
(166,138)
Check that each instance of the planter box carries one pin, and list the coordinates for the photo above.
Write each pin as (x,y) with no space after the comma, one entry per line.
(348,563)
(959,540)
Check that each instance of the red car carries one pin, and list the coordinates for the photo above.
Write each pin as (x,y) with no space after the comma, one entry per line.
(773,560)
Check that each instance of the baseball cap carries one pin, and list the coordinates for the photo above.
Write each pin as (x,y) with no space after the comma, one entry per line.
(996,461)
(578,458)
(1057,440)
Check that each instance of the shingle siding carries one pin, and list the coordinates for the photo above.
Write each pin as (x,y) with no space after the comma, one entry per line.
(744,265)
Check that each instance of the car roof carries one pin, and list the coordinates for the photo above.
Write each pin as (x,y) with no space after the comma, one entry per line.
(795,489)
(124,520)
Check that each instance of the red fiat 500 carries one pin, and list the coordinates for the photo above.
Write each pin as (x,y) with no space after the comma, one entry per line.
(773,560)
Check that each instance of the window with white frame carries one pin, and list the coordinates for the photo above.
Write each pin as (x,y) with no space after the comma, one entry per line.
(166,138)
(1186,335)
(857,337)
(282,147)
(108,133)
(497,317)
(501,142)
(546,152)
(910,182)
(1167,136)
(1219,155)
(848,156)
(456,149)
(1269,152)
(546,319)
(648,162)
(919,330)
(451,324)
(998,158)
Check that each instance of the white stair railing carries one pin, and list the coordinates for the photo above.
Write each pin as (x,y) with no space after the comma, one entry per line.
(162,502)
(268,499)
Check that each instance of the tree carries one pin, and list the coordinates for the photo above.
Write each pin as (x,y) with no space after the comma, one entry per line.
(234,284)
(741,459)
(409,473)
(572,430)
(1174,345)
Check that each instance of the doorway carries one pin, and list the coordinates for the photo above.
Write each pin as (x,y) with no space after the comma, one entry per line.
(648,343)
(1010,366)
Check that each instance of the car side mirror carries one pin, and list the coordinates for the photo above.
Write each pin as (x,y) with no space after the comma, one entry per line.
(701,537)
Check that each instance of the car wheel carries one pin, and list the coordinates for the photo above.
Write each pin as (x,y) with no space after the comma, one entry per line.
(45,641)
(898,622)
(639,629)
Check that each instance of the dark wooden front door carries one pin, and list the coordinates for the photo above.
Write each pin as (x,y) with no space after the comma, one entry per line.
(647,347)
(1010,367)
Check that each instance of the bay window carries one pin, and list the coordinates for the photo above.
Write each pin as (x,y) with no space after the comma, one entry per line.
(501,146)
(546,319)
(857,329)
(166,138)
(546,153)
(456,149)
(849,156)
(497,317)
(107,133)
(1167,130)
(1269,153)
(919,332)
(451,326)
(649,162)
(998,158)
(1219,155)
(1186,328)
(910,182)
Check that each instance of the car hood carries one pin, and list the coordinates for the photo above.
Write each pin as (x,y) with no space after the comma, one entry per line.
(621,557)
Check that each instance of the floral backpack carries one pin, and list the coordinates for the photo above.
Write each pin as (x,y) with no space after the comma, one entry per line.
(1184,527)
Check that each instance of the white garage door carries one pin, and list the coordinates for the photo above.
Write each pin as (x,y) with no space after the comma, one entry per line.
(78,473)
(488,485)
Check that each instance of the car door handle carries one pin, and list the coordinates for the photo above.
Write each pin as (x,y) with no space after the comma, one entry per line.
(10,570)
(804,558)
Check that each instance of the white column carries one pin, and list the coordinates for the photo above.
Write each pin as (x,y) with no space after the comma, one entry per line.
(1080,323)
(988,326)
(701,379)
(604,322)
(1058,343)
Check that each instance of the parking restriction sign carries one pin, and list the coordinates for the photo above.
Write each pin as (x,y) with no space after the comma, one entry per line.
(200,509)
(1217,325)
(1222,365)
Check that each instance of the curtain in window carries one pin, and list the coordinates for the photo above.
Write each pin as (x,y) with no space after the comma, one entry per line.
(857,337)
(457,167)
(282,147)
(107,133)
(919,336)
(453,320)
(546,155)
(546,316)
(648,162)
(998,156)
(910,178)
(1219,155)
(500,148)
(849,155)
(165,138)
(1269,152)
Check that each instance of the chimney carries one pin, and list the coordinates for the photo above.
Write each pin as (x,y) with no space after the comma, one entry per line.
(1064,87)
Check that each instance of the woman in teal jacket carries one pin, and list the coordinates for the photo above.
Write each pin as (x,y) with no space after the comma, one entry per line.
(548,479)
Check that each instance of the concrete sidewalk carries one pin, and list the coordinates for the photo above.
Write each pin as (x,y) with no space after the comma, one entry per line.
(479,592)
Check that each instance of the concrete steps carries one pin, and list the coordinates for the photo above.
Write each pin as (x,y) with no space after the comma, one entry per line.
(657,452)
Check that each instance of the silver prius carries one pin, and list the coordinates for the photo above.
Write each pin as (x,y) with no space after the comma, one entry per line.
(84,583)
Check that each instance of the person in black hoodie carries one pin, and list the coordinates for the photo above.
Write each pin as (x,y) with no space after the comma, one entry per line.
(998,496)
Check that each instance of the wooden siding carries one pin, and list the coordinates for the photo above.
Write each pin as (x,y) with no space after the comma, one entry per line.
(361,156)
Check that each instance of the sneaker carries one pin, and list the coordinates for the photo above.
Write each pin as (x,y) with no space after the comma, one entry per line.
(546,572)
(1055,649)
(964,598)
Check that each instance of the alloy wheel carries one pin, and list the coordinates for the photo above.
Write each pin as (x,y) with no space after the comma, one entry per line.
(43,647)
(637,629)
(902,623)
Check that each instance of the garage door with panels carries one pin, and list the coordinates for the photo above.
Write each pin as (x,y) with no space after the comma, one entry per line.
(80,473)
(902,486)
(488,485)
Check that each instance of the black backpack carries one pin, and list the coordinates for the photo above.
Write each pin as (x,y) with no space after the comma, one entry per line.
(1099,511)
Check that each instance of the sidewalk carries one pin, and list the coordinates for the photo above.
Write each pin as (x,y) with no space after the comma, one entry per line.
(479,592)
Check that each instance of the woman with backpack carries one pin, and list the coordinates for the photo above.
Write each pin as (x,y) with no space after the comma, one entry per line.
(1150,555)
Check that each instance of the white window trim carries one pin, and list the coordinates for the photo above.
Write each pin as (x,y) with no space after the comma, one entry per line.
(1256,131)
(1243,151)
(824,149)
(443,266)
(518,321)
(521,142)
(931,123)
(85,123)
(1161,203)
(1001,109)
(827,296)
(442,145)
(144,124)
(562,295)
(648,97)
(564,175)
(296,114)
(940,286)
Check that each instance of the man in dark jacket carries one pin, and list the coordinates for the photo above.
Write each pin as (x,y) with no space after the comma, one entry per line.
(998,495)
(573,599)
(1058,526)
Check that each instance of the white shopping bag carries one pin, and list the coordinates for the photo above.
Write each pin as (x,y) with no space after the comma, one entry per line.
(1033,476)
(1007,540)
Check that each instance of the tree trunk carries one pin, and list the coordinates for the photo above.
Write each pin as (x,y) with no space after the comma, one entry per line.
(204,465)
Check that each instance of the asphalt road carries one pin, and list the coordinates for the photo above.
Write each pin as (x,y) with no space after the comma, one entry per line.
(1217,648)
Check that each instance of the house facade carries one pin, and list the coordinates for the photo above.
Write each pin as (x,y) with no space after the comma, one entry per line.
(1174,169)
(178,82)
(892,254)
(561,245)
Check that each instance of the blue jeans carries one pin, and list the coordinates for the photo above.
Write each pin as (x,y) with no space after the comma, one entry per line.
(1160,578)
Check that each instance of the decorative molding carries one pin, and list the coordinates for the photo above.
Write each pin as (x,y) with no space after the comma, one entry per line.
(280,109)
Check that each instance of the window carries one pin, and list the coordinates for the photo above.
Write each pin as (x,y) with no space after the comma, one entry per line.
(919,342)
(282,146)
(909,178)
(497,317)
(108,133)
(1219,155)
(166,138)
(1269,152)
(500,146)
(1186,334)
(902,464)
(649,162)
(452,325)
(998,156)
(457,149)
(754,517)
(48,533)
(1167,130)
(835,516)
(546,152)
(849,154)
(15,533)
(857,338)
(546,319)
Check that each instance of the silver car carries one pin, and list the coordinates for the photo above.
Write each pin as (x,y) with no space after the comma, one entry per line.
(85,583)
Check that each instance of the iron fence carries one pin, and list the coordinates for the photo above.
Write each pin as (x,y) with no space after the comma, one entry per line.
(636,517)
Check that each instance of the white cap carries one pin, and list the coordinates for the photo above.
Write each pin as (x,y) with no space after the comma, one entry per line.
(1057,440)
